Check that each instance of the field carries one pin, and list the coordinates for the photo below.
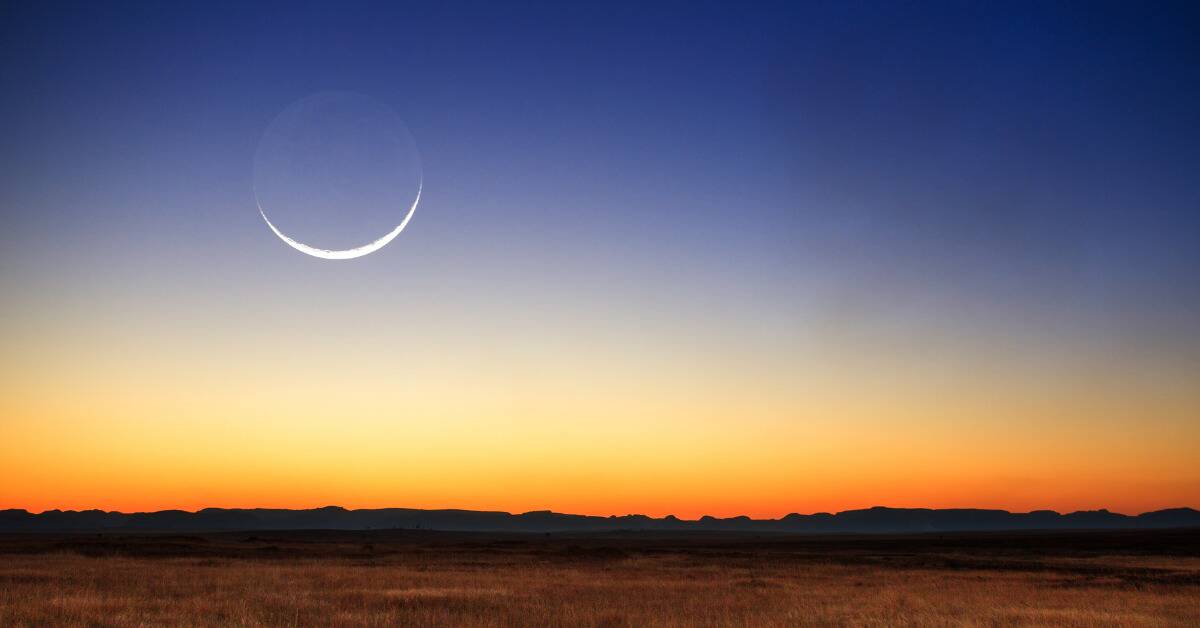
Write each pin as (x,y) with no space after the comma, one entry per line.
(421,578)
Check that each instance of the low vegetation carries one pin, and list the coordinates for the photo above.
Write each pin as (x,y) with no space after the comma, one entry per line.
(430,579)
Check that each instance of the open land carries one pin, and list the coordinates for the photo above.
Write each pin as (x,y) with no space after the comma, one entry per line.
(427,578)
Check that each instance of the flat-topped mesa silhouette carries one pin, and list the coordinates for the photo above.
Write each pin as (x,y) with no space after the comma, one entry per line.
(872,520)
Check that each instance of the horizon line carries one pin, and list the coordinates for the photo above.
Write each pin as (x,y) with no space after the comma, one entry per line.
(609,516)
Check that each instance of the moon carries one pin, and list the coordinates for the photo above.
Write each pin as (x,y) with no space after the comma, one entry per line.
(333,170)
(351,253)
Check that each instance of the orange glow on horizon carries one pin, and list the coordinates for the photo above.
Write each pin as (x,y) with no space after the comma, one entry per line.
(138,419)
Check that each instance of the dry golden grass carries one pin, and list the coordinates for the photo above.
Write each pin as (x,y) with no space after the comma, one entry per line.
(529,586)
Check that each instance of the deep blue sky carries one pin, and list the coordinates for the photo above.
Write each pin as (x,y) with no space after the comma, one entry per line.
(1018,138)
(1036,157)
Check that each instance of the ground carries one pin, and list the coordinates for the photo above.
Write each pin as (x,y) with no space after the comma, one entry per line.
(419,578)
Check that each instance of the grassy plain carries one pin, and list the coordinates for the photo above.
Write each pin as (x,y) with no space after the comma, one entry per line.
(416,578)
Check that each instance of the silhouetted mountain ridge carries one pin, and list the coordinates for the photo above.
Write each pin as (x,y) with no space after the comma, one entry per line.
(871,520)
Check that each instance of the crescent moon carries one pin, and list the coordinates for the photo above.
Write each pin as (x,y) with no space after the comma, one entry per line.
(357,251)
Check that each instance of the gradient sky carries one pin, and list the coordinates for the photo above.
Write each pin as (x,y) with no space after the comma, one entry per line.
(690,259)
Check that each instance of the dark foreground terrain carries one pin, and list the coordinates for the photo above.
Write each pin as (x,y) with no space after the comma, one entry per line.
(399,577)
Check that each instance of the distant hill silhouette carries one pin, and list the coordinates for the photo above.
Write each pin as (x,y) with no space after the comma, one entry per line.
(871,520)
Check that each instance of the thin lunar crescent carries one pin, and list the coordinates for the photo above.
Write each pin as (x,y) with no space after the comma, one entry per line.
(357,251)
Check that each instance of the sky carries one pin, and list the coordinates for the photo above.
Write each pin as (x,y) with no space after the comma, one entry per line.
(690,259)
